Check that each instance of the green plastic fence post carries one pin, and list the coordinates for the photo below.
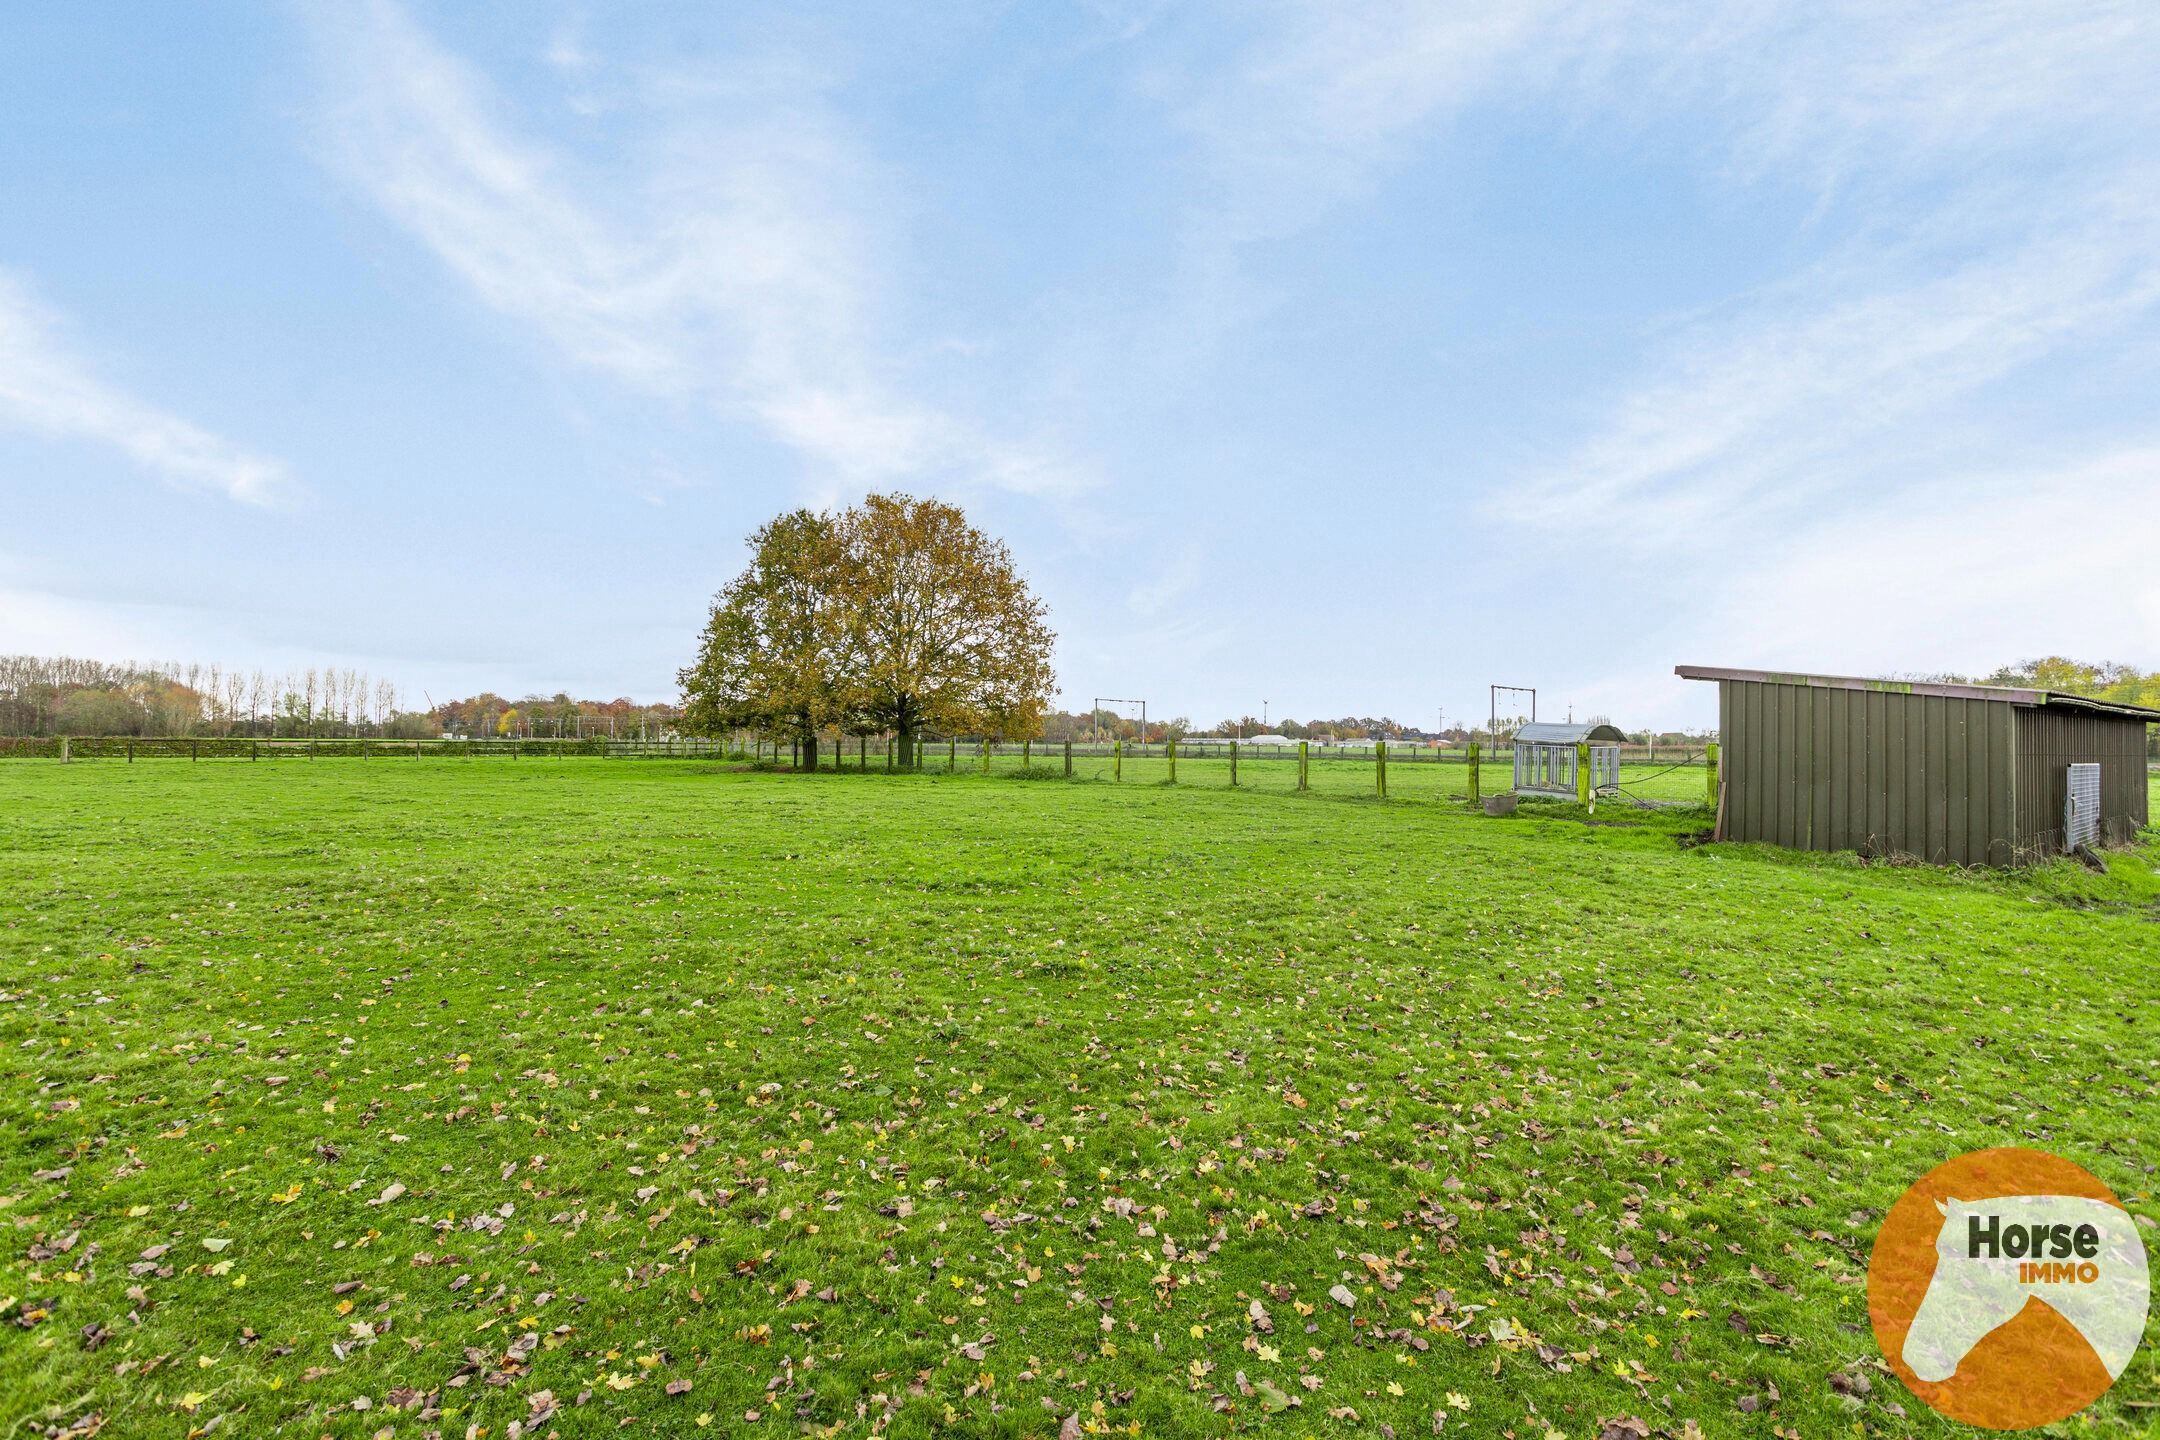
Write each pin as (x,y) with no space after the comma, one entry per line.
(64,759)
(1710,754)
(1582,773)
(1473,772)
(1380,767)
(1117,759)
(1304,759)
(985,756)
(1233,763)
(1169,751)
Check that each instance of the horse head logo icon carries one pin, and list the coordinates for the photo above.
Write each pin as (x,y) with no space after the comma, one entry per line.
(2008,1288)
(2080,1257)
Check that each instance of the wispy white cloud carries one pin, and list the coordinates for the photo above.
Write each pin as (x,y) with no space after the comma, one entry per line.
(1981,568)
(1764,407)
(1963,572)
(2012,219)
(1846,92)
(46,388)
(732,264)
(1328,97)
(1981,179)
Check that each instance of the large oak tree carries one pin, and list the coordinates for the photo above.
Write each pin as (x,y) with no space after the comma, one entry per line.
(896,615)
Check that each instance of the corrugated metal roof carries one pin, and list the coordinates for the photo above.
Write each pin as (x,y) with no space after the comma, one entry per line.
(2006,694)
(1550,733)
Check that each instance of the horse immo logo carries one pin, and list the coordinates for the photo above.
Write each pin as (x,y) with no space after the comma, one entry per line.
(2008,1288)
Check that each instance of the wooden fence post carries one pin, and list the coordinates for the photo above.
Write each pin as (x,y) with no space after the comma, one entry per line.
(985,743)
(1027,752)
(1117,759)
(1233,763)
(1380,768)
(131,751)
(64,758)
(952,754)
(1710,755)
(1582,772)
(1473,772)
(1068,759)
(1169,751)
(1304,773)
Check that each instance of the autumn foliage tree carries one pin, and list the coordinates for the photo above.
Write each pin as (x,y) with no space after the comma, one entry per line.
(948,633)
(776,650)
(896,614)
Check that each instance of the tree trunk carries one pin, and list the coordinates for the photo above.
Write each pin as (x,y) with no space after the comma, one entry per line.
(905,734)
(809,750)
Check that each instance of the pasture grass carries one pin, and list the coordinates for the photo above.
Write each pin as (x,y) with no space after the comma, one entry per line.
(347,1097)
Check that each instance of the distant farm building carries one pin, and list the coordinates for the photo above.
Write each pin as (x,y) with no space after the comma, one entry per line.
(1267,737)
(1951,774)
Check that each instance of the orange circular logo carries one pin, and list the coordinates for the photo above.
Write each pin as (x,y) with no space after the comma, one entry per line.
(2008,1288)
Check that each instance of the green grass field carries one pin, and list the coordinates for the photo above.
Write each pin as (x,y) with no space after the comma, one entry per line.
(355,1098)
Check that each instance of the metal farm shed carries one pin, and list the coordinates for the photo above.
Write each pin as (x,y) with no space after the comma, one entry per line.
(1953,774)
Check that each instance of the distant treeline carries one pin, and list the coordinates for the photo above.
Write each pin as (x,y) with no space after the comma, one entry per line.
(62,695)
(2107,680)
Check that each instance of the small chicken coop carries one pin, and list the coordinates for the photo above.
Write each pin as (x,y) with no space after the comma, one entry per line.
(1549,759)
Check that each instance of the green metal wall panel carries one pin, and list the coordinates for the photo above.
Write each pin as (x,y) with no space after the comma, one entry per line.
(1879,771)
(2048,743)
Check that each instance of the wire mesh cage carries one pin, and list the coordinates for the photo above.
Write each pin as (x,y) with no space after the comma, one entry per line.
(1549,759)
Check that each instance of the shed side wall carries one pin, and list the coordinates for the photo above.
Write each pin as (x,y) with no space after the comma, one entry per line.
(2049,742)
(1876,771)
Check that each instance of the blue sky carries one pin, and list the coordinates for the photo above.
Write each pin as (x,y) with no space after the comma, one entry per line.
(1344,357)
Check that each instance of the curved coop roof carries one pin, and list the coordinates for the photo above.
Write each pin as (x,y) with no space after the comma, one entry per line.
(1546,732)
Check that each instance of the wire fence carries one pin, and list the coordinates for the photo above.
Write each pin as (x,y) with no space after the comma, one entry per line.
(1409,772)
(1679,777)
